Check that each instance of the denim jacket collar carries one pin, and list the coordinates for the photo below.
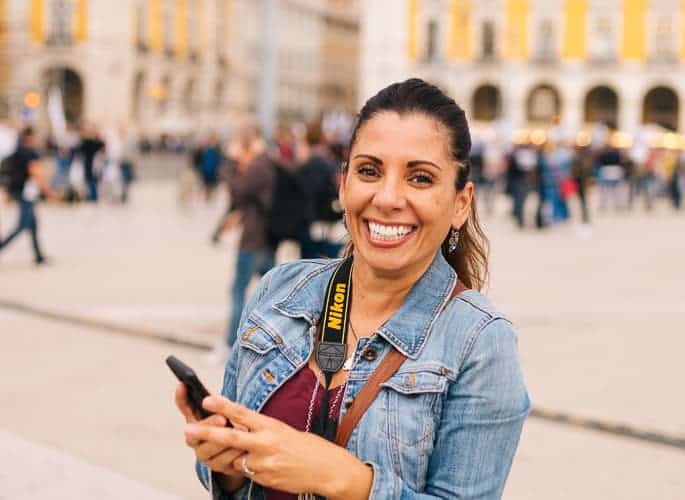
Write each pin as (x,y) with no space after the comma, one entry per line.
(407,328)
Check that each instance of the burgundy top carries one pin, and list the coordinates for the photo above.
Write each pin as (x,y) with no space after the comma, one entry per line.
(290,404)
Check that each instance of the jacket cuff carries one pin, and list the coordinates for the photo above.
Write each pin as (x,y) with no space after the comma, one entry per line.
(210,480)
(385,484)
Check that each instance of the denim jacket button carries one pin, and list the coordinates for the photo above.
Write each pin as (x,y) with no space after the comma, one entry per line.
(370,354)
(348,402)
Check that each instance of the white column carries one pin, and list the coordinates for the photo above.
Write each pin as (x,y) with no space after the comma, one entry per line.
(268,76)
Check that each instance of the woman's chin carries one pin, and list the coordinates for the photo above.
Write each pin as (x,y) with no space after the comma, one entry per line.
(384,260)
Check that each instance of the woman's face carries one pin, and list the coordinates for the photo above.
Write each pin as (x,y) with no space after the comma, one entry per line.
(399,192)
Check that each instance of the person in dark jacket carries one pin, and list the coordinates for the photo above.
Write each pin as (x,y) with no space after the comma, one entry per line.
(321,174)
(27,181)
(250,185)
(90,146)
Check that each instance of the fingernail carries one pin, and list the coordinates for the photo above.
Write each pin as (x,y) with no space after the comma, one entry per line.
(191,429)
(208,402)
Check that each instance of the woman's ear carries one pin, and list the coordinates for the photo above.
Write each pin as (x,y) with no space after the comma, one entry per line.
(462,205)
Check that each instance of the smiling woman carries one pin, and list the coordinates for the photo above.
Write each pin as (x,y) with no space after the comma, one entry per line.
(385,374)
(417,119)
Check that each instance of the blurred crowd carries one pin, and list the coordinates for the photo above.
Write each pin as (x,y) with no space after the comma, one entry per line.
(294,177)
(556,173)
(283,190)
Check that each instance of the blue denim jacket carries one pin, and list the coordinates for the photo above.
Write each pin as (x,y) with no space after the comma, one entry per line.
(446,425)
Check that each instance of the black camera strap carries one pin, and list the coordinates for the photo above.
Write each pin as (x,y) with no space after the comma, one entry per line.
(331,344)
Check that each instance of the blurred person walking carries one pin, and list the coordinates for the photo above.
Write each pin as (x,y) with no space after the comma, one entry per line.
(127,166)
(91,144)
(521,166)
(671,166)
(559,158)
(64,157)
(121,150)
(546,187)
(285,146)
(494,164)
(321,176)
(210,164)
(582,168)
(649,183)
(610,176)
(251,187)
(24,179)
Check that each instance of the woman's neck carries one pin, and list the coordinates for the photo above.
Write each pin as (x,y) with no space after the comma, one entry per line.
(378,295)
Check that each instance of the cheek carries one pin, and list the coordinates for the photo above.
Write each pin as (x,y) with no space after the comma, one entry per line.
(436,209)
(357,195)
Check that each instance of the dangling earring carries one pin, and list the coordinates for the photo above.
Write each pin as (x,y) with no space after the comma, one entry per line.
(344,219)
(454,239)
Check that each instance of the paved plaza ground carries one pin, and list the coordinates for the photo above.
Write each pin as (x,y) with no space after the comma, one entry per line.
(86,402)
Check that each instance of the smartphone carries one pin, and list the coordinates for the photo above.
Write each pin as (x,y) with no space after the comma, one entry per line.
(196,391)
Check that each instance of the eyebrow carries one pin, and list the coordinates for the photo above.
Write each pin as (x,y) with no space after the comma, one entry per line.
(410,164)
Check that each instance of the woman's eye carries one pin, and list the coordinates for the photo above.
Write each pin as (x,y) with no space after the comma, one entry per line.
(421,178)
(367,170)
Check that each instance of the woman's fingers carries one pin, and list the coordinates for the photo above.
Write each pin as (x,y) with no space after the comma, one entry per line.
(182,403)
(206,450)
(223,436)
(224,461)
(212,420)
(238,414)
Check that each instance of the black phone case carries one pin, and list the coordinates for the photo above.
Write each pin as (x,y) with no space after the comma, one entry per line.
(196,391)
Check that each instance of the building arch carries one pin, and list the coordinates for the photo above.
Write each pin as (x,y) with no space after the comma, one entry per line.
(601,105)
(661,106)
(543,104)
(486,103)
(71,87)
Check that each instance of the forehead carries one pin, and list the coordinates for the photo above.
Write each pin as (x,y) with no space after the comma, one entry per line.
(411,135)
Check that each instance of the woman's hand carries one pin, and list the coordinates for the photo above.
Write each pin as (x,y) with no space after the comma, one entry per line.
(282,458)
(217,457)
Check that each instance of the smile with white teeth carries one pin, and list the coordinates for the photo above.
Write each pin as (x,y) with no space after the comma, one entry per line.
(388,233)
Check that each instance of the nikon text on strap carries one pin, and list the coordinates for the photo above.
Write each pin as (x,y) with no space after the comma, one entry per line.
(331,345)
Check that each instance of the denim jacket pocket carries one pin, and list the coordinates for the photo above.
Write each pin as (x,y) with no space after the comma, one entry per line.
(256,346)
(257,340)
(412,399)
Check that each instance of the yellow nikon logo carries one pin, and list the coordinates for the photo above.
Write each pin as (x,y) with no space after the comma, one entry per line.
(335,310)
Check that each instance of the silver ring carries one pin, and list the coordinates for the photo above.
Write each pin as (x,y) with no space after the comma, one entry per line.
(247,470)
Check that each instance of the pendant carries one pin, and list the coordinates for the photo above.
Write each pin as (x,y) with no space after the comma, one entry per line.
(347,366)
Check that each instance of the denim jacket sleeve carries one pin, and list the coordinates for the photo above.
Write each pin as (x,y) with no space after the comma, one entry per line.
(207,477)
(482,418)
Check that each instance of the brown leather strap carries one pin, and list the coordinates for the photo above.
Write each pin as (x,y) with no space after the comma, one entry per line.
(391,362)
(367,394)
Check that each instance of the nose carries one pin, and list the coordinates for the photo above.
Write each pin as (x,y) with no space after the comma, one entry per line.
(390,195)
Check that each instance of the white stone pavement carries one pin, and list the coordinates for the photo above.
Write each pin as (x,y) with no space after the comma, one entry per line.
(598,322)
(52,475)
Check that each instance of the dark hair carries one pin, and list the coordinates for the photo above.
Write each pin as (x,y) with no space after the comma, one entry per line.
(314,134)
(24,134)
(470,260)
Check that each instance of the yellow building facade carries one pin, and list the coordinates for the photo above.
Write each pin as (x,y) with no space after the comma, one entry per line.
(177,66)
(546,62)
